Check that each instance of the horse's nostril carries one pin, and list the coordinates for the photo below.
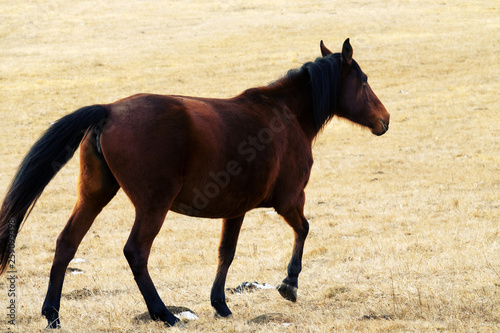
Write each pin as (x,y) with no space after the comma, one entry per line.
(384,125)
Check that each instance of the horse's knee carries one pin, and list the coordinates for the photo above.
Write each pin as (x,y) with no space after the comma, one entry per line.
(226,254)
(305,227)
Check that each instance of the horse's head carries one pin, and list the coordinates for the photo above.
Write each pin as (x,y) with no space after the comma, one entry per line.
(357,101)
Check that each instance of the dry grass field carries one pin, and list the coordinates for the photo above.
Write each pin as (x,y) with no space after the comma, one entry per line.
(405,231)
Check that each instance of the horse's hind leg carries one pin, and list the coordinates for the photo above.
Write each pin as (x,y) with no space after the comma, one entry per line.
(96,187)
(151,208)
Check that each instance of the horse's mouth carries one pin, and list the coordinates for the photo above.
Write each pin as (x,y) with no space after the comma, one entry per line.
(380,128)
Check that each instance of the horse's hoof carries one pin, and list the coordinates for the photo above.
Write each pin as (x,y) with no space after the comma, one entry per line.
(178,324)
(219,316)
(53,324)
(221,309)
(174,323)
(288,292)
(52,316)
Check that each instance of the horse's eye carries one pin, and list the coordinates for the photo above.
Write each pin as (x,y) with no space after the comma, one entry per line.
(365,79)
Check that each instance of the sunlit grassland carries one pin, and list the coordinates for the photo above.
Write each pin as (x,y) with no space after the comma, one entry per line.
(404,227)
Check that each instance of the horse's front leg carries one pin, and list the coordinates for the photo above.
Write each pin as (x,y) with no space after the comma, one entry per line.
(227,248)
(295,218)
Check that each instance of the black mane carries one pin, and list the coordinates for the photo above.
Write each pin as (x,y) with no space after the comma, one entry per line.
(324,75)
(324,81)
(323,78)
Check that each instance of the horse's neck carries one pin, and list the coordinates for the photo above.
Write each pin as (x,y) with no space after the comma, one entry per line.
(294,93)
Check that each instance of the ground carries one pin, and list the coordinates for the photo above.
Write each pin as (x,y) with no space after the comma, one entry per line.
(404,227)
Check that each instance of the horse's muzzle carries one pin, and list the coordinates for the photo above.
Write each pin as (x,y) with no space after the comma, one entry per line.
(381,127)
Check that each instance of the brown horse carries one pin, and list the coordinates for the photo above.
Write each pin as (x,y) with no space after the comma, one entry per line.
(213,158)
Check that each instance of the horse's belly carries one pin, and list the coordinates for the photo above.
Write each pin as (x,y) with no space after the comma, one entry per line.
(222,196)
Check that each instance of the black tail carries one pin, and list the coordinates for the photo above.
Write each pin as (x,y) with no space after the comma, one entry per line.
(47,156)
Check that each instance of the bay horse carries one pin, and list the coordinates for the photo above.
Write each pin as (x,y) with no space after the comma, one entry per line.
(203,157)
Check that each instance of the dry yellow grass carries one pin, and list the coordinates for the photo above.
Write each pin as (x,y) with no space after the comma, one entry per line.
(404,228)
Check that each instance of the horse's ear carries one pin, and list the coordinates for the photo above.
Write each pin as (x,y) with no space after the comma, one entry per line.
(324,50)
(347,52)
